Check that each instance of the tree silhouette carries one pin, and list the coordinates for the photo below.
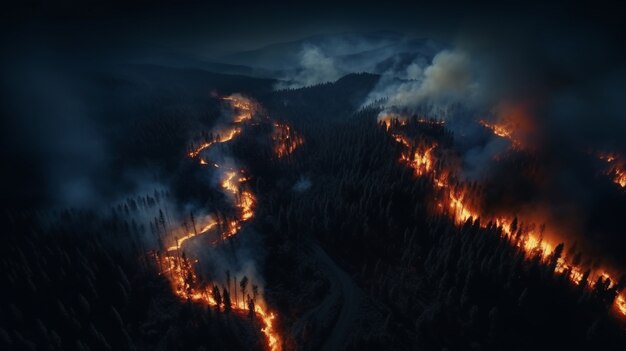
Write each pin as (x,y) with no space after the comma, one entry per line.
(243,284)
(217,297)
(227,303)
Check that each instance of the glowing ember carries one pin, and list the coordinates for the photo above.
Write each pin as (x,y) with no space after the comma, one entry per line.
(245,200)
(513,123)
(184,278)
(286,141)
(503,131)
(457,203)
(422,161)
(179,241)
(180,270)
(228,182)
(609,158)
(389,118)
(222,137)
(244,107)
(458,208)
(620,177)
(617,168)
(621,304)
(195,152)
(404,141)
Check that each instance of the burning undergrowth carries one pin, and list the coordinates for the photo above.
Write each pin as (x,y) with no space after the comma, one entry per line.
(194,230)
(616,168)
(197,274)
(526,157)
(517,195)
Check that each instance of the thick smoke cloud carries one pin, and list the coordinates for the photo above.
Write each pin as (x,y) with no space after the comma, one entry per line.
(559,91)
(326,58)
(447,80)
(562,82)
(566,69)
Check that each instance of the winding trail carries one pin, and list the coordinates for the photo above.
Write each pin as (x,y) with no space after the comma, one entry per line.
(343,295)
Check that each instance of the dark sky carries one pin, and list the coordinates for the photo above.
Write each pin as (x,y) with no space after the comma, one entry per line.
(213,28)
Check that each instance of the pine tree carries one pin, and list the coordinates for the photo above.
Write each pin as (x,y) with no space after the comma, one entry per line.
(255,292)
(193,223)
(251,308)
(217,297)
(554,258)
(227,303)
(243,284)
(235,285)
(228,279)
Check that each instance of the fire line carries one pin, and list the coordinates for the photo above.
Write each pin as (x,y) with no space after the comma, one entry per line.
(181,271)
(457,205)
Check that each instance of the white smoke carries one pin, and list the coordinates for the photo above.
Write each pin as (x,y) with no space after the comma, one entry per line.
(315,68)
(448,80)
(241,259)
(320,60)
(414,71)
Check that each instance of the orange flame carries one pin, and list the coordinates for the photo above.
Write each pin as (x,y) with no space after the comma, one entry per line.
(388,118)
(286,141)
(183,277)
(513,123)
(224,136)
(246,108)
(501,130)
(180,241)
(245,200)
(457,204)
(181,271)
(422,161)
(617,168)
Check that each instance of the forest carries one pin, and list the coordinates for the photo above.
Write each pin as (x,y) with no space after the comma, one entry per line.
(302,176)
(326,240)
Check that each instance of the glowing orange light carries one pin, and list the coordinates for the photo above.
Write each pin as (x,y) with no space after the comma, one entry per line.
(245,108)
(617,168)
(285,140)
(457,204)
(512,122)
(181,272)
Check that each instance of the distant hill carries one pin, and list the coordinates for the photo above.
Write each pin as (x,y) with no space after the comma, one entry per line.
(175,59)
(371,52)
(190,80)
(307,107)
